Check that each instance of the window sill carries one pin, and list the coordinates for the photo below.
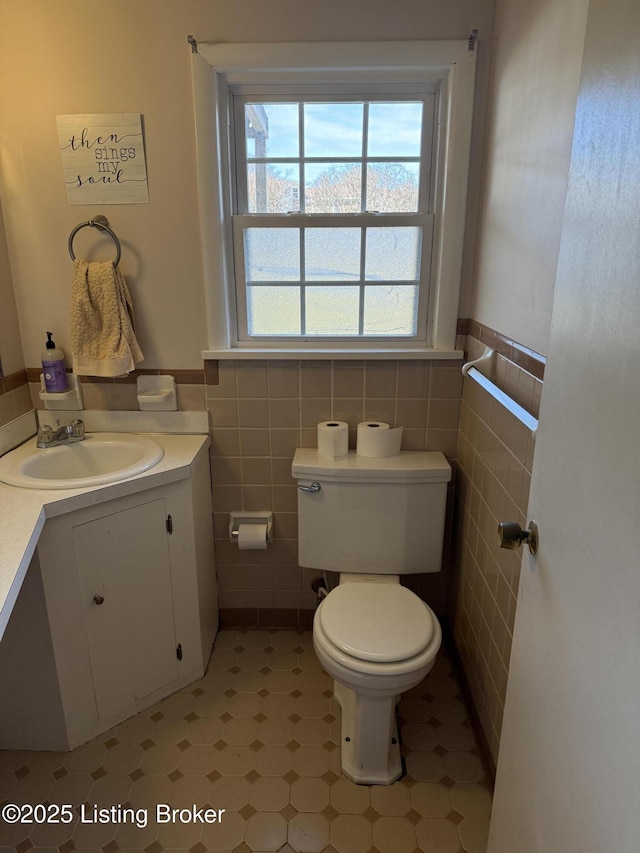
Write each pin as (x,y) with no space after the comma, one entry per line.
(334,354)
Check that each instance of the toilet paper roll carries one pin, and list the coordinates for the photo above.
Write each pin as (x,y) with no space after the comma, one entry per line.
(252,537)
(333,439)
(377,440)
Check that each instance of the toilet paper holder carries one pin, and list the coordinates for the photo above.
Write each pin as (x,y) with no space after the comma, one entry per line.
(255,517)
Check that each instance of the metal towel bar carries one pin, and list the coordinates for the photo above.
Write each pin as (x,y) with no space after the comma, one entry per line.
(471,369)
(102,223)
(504,399)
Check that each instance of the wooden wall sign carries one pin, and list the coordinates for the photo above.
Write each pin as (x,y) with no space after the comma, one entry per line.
(103,158)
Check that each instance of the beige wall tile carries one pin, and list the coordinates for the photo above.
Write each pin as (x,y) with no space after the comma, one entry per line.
(284,379)
(412,413)
(492,484)
(227,498)
(414,439)
(281,471)
(255,442)
(284,441)
(191,398)
(380,379)
(284,413)
(348,382)
(224,412)
(253,413)
(443,414)
(226,470)
(256,497)
(413,379)
(446,382)
(314,410)
(252,379)
(285,498)
(315,379)
(256,470)
(227,386)
(225,442)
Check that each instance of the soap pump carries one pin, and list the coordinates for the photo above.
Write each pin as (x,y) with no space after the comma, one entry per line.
(53,369)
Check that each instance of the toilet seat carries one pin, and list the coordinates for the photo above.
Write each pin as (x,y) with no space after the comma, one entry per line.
(380,623)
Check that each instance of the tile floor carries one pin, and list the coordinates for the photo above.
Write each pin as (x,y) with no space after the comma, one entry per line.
(258,736)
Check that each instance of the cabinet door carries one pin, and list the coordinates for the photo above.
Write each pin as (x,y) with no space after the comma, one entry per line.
(125,579)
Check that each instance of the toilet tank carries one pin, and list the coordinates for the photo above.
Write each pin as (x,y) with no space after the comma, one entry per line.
(374,516)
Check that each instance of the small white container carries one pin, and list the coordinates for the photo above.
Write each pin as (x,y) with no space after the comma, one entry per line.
(157,394)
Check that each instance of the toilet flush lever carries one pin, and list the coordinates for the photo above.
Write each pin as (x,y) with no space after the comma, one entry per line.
(511,535)
(313,488)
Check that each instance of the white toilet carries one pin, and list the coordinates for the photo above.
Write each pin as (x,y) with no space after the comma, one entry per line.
(372,520)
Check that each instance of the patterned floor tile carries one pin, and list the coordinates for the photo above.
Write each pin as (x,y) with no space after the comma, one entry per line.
(255,745)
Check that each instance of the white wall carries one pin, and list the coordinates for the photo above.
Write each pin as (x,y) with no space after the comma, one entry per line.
(536,67)
(74,56)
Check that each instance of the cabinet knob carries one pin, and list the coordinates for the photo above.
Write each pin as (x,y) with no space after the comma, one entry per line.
(98,599)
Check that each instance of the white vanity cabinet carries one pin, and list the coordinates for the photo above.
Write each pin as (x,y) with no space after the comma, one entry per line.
(126,577)
(118,610)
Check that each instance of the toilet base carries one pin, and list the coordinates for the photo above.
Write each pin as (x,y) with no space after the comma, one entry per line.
(370,751)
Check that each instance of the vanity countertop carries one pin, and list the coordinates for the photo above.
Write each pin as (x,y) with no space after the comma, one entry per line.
(23,512)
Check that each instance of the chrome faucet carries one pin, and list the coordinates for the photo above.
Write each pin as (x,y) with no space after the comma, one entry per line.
(66,434)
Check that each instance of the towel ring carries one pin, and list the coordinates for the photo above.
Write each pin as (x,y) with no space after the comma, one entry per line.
(102,223)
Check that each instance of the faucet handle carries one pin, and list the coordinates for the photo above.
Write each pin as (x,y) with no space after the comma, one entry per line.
(77,428)
(45,435)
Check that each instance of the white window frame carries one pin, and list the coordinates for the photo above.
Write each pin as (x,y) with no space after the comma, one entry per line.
(217,66)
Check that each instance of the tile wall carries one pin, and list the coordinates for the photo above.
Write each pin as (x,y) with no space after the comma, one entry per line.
(261,411)
(494,460)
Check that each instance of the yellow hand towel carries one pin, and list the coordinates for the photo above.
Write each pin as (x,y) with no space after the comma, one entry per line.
(103,342)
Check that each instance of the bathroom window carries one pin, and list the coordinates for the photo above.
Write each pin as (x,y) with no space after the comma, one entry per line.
(332,208)
(332,232)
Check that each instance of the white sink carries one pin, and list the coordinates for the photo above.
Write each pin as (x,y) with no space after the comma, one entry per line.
(103,457)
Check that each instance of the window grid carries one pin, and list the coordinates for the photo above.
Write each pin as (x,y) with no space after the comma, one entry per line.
(248,160)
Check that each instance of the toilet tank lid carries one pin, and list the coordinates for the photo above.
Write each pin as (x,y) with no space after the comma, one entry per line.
(422,466)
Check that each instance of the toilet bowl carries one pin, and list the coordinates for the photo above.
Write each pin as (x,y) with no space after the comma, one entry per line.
(377,640)
(371,521)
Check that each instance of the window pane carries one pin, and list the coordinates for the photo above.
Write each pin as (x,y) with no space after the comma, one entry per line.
(271,130)
(393,254)
(332,254)
(273,310)
(332,310)
(333,188)
(395,130)
(333,130)
(390,309)
(272,254)
(392,187)
(273,189)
